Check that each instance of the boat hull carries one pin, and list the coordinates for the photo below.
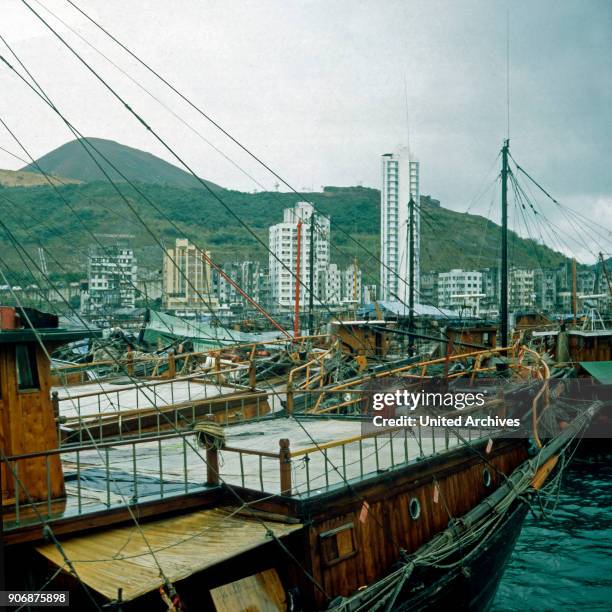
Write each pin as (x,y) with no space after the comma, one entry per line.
(473,584)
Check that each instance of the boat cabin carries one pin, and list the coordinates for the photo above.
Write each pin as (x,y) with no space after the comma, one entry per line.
(363,337)
(577,345)
(28,422)
(469,338)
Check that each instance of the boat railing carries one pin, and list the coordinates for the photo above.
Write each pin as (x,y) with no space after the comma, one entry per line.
(105,476)
(177,362)
(192,387)
(420,371)
(108,419)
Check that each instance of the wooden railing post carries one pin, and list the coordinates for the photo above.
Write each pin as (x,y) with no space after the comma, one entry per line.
(130,361)
(218,367)
(284,456)
(171,364)
(289,402)
(212,461)
(252,375)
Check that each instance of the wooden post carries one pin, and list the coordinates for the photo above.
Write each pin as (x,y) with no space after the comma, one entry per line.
(218,367)
(212,462)
(55,404)
(171,364)
(285,466)
(130,361)
(252,375)
(289,402)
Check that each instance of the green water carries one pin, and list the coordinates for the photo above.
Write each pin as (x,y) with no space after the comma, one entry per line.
(564,562)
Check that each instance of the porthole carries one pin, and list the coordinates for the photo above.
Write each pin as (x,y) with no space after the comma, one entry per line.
(486,477)
(414,507)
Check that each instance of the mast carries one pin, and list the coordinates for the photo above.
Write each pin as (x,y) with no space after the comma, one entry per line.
(504,247)
(355,297)
(574,291)
(296,317)
(311,265)
(411,272)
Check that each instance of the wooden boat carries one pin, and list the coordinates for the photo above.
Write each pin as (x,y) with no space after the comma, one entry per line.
(275,514)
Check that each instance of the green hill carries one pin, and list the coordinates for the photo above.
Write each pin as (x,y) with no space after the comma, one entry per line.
(449,239)
(72,161)
(19,178)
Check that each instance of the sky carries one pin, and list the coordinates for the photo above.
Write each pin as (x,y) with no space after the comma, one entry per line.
(319,90)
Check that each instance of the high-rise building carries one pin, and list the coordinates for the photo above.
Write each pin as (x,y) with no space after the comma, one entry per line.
(400,182)
(283,238)
(187,279)
(111,277)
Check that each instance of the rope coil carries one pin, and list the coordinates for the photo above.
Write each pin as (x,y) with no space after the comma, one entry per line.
(210,435)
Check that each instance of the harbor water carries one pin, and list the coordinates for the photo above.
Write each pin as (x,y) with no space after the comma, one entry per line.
(564,561)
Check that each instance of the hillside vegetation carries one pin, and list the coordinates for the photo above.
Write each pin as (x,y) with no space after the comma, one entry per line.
(37,215)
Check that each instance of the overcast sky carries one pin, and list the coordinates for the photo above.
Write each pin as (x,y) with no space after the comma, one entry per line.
(320,89)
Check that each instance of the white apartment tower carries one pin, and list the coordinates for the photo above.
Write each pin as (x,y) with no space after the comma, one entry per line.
(400,181)
(187,279)
(283,247)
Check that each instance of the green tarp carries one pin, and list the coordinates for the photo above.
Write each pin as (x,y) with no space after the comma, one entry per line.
(601,371)
(203,335)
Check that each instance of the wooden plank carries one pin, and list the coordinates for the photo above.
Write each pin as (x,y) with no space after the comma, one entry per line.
(261,592)
(183,545)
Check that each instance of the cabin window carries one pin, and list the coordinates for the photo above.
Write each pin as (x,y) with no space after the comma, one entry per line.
(486,477)
(27,370)
(414,507)
(338,544)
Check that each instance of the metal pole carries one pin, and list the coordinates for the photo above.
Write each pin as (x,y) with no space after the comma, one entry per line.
(574,291)
(411,274)
(504,247)
(296,316)
(311,296)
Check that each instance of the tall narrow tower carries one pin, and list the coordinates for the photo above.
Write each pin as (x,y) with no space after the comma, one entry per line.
(400,181)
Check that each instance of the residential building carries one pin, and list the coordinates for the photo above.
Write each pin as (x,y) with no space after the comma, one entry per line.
(351,284)
(400,183)
(111,277)
(429,289)
(247,275)
(521,289)
(460,290)
(187,279)
(545,289)
(283,239)
(330,281)
(150,286)
(489,304)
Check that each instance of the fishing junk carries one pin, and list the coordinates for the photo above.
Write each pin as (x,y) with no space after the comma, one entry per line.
(282,511)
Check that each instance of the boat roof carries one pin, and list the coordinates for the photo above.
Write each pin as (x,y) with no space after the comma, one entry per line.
(401,309)
(54,335)
(183,545)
